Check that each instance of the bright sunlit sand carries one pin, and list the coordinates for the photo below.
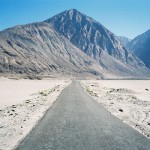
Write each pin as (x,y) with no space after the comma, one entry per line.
(129,100)
(22,104)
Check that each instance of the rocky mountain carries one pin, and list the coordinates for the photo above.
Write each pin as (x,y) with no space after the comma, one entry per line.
(68,43)
(97,42)
(124,40)
(140,46)
(38,48)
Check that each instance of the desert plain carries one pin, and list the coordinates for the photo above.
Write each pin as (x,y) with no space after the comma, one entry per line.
(129,100)
(24,102)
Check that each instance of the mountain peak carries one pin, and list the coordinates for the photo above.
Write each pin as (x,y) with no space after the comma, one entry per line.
(64,43)
(73,10)
(92,38)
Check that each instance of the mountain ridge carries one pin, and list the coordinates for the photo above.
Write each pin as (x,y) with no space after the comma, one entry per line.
(40,47)
(27,41)
(140,46)
(94,39)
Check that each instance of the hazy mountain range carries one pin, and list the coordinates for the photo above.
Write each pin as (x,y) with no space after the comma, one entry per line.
(68,43)
(140,46)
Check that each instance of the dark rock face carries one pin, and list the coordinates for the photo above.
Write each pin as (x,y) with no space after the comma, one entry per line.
(140,46)
(96,41)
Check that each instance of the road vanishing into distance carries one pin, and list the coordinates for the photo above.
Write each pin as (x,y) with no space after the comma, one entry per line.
(77,122)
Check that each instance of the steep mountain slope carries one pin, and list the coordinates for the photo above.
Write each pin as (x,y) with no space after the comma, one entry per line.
(140,46)
(38,48)
(124,40)
(96,41)
(62,45)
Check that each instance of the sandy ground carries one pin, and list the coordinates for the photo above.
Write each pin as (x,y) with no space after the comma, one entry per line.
(22,104)
(128,100)
(15,91)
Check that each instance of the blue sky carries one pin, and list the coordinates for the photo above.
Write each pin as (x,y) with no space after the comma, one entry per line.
(123,17)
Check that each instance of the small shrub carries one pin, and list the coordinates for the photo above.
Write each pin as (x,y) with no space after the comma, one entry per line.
(43,93)
(91,92)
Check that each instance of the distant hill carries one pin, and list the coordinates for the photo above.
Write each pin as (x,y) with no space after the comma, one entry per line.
(140,46)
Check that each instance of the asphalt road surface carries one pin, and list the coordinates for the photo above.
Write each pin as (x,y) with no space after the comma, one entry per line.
(77,122)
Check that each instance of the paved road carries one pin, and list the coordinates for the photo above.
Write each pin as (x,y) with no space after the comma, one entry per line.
(77,122)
